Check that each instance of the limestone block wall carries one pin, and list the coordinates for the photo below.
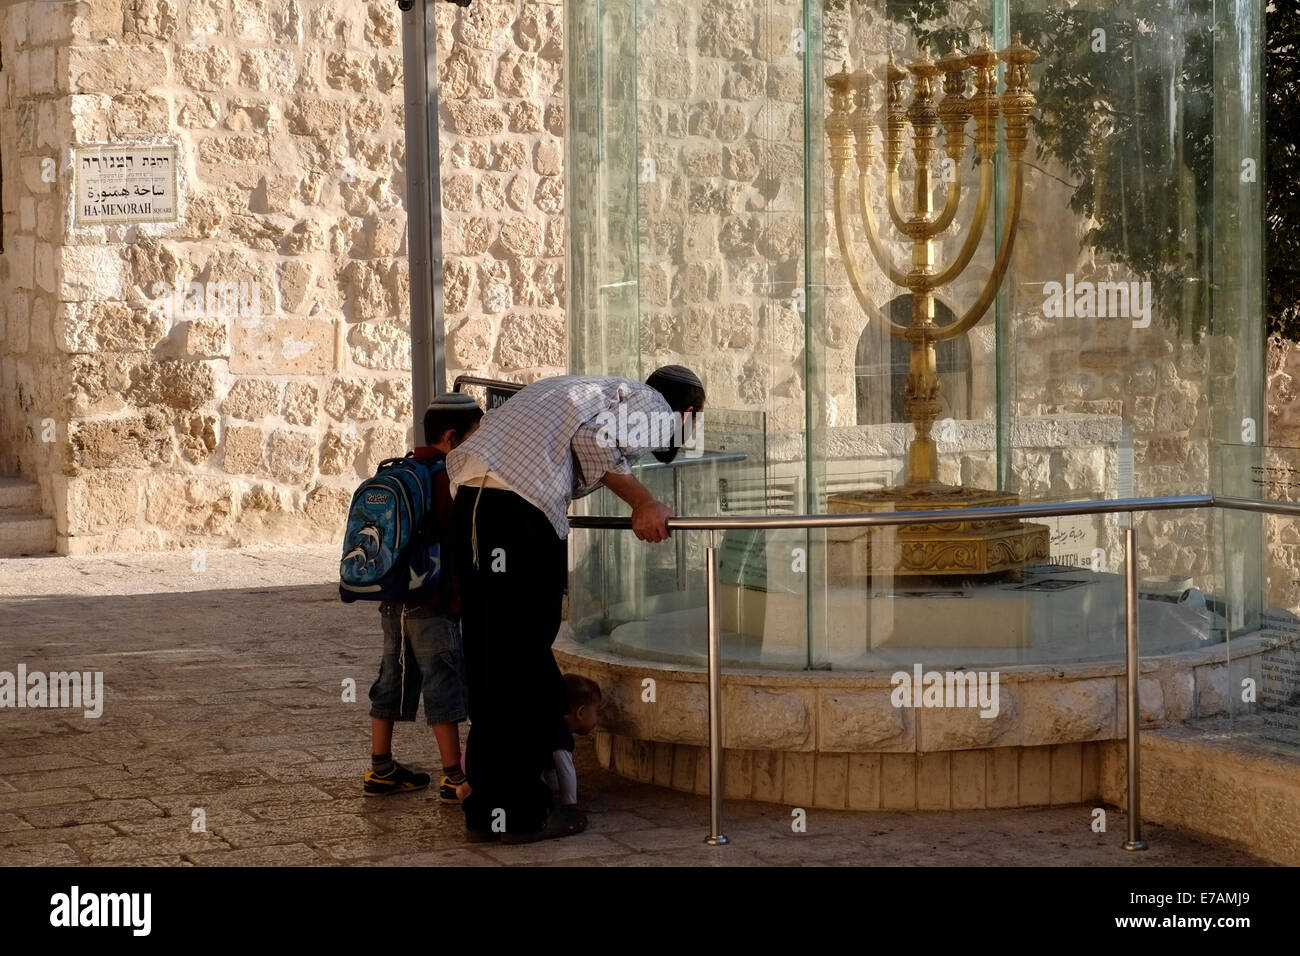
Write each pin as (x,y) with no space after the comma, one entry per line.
(171,423)
(1283,462)
(502,101)
(719,241)
(174,426)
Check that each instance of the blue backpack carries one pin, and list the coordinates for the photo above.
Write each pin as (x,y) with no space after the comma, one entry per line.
(391,547)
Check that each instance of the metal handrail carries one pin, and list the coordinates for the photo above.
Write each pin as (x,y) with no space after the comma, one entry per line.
(889,518)
(714,523)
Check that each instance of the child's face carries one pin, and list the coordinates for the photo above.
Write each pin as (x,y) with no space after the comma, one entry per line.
(584,719)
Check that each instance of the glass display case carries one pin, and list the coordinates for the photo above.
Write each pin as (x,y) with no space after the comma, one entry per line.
(919,252)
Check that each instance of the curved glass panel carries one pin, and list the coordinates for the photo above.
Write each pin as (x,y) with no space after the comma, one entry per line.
(925,253)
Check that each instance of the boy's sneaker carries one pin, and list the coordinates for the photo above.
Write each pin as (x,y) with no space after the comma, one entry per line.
(400,780)
(448,792)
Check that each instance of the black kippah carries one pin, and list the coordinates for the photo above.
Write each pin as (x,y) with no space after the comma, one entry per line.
(677,373)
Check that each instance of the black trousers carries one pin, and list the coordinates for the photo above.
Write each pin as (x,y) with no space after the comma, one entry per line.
(510,607)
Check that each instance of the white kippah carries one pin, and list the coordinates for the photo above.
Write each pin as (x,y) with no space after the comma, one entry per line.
(452,401)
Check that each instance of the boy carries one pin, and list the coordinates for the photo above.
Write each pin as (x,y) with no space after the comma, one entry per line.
(423,654)
(584,706)
(584,709)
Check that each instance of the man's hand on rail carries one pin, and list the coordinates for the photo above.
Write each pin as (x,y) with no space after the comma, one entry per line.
(649,515)
(650,521)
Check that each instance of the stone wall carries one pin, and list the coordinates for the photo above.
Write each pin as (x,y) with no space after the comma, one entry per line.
(168,423)
(704,191)
(174,427)
(1283,460)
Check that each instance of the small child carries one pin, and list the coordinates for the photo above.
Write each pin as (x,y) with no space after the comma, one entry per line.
(584,708)
(423,654)
(583,714)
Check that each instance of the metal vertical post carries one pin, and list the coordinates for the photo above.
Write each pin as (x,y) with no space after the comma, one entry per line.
(716,837)
(1134,841)
(681,540)
(423,204)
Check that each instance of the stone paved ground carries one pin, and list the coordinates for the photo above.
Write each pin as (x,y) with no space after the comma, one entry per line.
(223,693)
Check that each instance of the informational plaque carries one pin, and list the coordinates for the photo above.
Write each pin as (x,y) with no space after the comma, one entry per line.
(124,184)
(1073,542)
(1279,695)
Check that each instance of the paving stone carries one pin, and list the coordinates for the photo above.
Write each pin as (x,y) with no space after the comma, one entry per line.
(97,811)
(266,812)
(702,856)
(180,804)
(43,798)
(432,817)
(176,823)
(352,744)
(127,849)
(156,861)
(16,765)
(306,830)
(135,785)
(74,835)
(44,854)
(349,772)
(74,776)
(455,857)
(65,742)
(358,750)
(293,854)
(663,838)
(390,846)
(226,761)
(584,845)
(798,848)
(611,822)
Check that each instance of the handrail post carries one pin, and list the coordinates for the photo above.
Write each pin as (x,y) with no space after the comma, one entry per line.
(716,837)
(1134,841)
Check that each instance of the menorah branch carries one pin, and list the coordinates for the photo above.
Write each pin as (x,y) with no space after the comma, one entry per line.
(1010,227)
(971,243)
(952,199)
(846,252)
(896,275)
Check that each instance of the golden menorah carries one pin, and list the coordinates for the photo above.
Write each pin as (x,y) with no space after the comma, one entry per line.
(852,127)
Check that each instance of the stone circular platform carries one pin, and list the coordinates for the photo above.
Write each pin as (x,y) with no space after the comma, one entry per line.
(835,739)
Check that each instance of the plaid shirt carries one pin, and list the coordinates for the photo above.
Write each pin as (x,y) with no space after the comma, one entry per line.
(555,440)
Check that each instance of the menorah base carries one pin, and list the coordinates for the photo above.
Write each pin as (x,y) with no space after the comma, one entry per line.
(958,548)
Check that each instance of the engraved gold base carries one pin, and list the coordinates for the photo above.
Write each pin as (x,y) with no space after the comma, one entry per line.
(961,547)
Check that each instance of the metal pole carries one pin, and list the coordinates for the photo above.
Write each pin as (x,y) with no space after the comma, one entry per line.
(423,205)
(1134,841)
(681,539)
(715,837)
